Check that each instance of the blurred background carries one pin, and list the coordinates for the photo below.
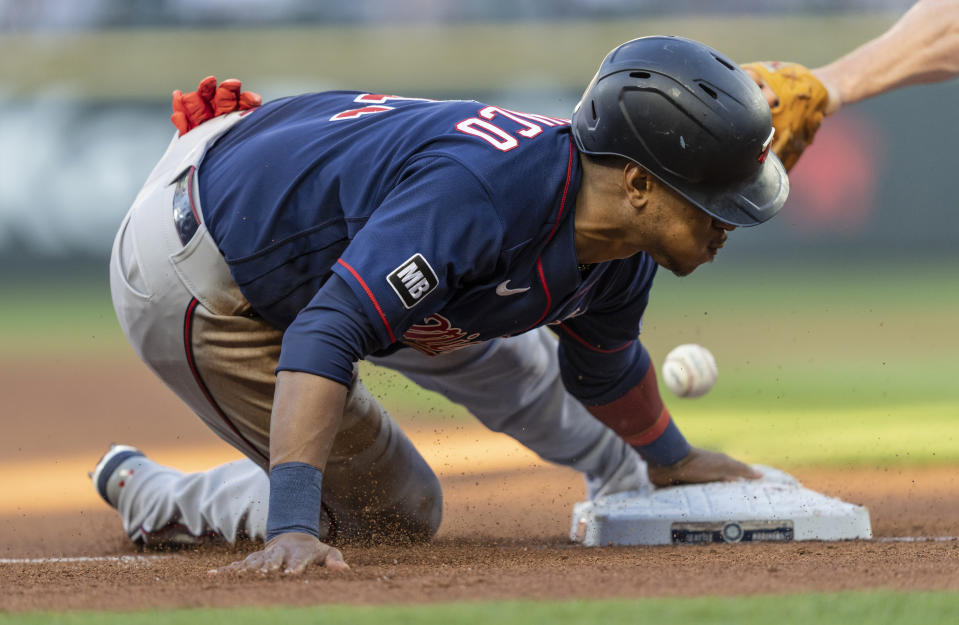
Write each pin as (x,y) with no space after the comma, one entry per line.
(832,322)
(85,84)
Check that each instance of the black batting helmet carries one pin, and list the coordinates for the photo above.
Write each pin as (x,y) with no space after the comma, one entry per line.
(690,117)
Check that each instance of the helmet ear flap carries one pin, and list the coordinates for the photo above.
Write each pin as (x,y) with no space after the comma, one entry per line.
(692,119)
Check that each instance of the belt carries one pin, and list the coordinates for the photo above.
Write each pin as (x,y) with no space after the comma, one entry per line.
(185,217)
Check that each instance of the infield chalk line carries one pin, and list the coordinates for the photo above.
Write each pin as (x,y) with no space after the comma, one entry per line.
(119,559)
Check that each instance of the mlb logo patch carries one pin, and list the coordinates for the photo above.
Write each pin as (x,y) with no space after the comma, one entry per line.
(413,280)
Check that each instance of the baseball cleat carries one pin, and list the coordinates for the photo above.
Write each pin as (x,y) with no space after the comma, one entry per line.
(174,536)
(113,470)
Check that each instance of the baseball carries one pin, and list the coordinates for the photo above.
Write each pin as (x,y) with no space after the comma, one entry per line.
(690,370)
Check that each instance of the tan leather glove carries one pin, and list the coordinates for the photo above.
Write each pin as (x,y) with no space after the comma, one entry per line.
(797,108)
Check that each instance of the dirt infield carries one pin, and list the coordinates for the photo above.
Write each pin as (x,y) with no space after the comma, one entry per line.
(504,533)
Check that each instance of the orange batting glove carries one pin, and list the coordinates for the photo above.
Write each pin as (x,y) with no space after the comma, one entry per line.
(209,101)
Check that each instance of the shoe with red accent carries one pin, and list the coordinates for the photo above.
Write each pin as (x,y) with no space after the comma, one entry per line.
(121,464)
(113,471)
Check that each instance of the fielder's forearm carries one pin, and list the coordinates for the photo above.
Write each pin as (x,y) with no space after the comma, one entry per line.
(921,47)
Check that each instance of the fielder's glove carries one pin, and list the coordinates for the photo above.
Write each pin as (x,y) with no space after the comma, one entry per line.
(799,107)
(208,101)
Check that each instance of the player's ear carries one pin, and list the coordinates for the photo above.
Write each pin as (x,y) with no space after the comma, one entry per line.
(638,184)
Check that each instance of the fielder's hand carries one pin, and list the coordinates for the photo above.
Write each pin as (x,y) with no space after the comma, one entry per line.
(208,101)
(292,553)
(700,466)
(797,100)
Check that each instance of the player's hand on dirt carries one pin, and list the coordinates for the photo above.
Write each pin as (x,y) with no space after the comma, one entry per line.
(209,101)
(700,466)
(290,553)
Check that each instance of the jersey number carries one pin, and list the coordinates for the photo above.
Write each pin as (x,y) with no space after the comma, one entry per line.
(480,126)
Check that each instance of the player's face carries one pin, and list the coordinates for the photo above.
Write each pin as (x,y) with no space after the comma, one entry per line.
(688,237)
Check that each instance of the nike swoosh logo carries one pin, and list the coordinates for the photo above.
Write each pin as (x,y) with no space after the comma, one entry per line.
(503,290)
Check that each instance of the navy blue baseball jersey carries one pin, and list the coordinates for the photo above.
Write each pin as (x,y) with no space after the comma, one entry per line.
(359,223)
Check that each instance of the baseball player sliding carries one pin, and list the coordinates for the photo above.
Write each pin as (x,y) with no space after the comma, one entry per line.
(275,245)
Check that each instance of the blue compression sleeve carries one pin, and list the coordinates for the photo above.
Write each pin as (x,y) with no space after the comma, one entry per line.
(668,449)
(295,489)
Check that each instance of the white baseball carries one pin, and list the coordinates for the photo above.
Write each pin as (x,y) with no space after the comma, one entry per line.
(690,370)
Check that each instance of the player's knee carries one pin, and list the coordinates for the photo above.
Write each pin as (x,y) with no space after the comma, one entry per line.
(397,499)
(413,517)
(418,516)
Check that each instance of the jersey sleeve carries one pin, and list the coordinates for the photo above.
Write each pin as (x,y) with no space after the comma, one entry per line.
(329,335)
(434,232)
(600,355)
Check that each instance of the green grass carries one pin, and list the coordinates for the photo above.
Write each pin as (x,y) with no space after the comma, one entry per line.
(875,608)
(62,319)
(825,365)
(913,435)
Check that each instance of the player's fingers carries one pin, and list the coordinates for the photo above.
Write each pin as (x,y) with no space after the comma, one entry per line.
(179,120)
(238,566)
(233,84)
(207,88)
(732,470)
(176,102)
(771,98)
(227,96)
(335,562)
(742,471)
(178,117)
(298,561)
(253,562)
(272,560)
(746,475)
(329,557)
(296,566)
(196,108)
(249,100)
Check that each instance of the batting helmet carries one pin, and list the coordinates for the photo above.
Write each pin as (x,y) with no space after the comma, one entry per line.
(693,119)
